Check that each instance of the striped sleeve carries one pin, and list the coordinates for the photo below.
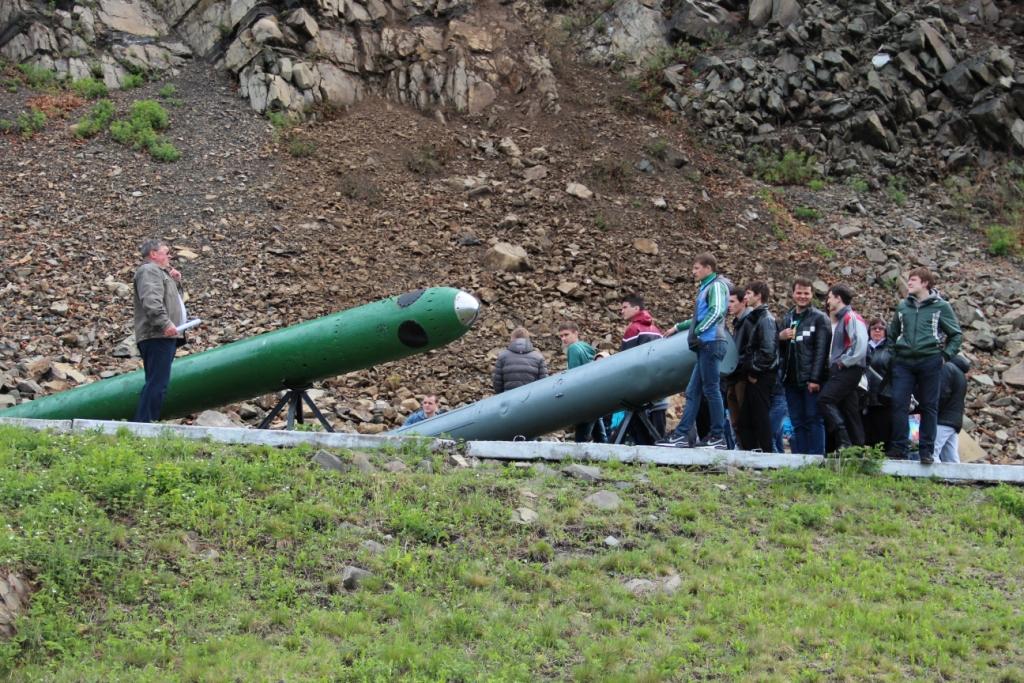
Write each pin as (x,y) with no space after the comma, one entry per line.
(718,300)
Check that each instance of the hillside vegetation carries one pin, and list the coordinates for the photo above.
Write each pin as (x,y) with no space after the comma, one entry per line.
(167,560)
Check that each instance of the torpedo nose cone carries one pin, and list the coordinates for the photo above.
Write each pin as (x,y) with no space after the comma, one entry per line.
(467,308)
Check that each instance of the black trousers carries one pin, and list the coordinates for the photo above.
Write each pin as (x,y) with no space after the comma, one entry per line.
(638,432)
(591,431)
(839,404)
(754,425)
(878,425)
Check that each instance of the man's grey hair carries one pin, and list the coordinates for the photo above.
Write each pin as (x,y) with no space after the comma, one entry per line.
(151,245)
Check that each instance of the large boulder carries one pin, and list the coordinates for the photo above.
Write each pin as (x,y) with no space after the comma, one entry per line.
(637,32)
(701,20)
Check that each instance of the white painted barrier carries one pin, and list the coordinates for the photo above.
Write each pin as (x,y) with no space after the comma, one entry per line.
(526,450)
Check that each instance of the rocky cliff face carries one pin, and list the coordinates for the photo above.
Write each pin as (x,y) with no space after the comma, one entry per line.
(915,87)
(293,57)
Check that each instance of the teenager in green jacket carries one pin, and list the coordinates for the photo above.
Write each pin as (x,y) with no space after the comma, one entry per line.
(924,334)
(579,353)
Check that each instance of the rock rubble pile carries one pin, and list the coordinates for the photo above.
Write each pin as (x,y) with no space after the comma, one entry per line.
(857,83)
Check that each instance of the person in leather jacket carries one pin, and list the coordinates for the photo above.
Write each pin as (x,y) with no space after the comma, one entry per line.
(758,362)
(805,338)
(878,405)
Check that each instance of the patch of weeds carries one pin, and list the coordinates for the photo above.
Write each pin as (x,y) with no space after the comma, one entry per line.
(36,76)
(778,232)
(140,130)
(792,168)
(896,190)
(818,184)
(601,223)
(7,126)
(1010,500)
(31,122)
(1004,240)
(425,160)
(97,120)
(11,85)
(807,213)
(825,253)
(541,551)
(132,81)
(300,148)
(280,120)
(167,91)
(357,187)
(857,459)
(90,88)
(858,184)
(657,148)
(610,174)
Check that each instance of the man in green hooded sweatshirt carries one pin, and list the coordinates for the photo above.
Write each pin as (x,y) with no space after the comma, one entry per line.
(925,334)
(579,353)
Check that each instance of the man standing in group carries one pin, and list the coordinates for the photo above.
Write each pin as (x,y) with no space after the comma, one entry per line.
(803,352)
(952,398)
(758,364)
(579,353)
(519,364)
(641,330)
(918,354)
(428,409)
(736,382)
(159,309)
(839,401)
(706,337)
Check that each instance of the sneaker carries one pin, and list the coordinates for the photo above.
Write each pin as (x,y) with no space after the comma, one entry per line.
(675,442)
(927,460)
(718,443)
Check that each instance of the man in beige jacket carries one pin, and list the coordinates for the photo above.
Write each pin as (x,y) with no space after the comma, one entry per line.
(159,310)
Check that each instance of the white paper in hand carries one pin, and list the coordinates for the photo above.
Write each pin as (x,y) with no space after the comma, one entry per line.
(188,325)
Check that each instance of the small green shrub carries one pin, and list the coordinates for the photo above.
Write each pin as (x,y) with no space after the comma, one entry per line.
(806,213)
(826,253)
(31,122)
(300,148)
(140,130)
(97,120)
(90,88)
(164,151)
(658,149)
(132,81)
(792,168)
(37,76)
(1003,240)
(425,160)
(167,91)
(817,184)
(895,189)
(11,85)
(857,459)
(1010,500)
(858,184)
(279,120)
(7,126)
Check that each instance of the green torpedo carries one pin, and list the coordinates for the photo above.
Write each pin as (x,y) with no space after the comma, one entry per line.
(289,358)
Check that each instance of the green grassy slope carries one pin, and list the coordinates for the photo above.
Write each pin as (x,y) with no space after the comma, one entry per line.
(169,560)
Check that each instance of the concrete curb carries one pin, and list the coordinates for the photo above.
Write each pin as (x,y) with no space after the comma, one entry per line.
(523,450)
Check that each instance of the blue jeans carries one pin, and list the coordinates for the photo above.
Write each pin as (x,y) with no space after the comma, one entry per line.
(157,355)
(776,415)
(920,378)
(808,425)
(705,382)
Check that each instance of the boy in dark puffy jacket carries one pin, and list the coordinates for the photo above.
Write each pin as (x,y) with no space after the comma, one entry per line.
(519,364)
